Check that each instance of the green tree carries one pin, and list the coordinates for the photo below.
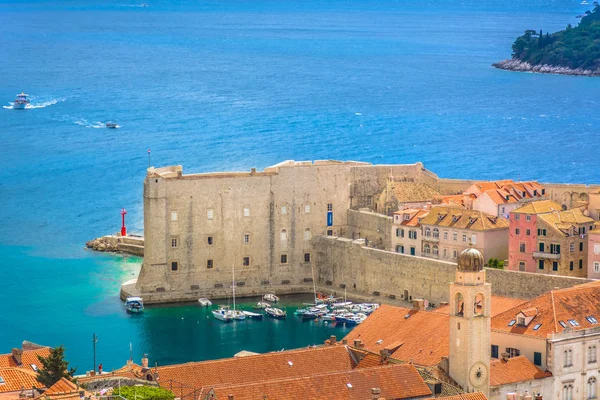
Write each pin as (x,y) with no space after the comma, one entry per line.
(54,367)
(144,392)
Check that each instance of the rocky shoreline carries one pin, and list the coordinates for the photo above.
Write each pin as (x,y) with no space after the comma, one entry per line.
(118,244)
(522,66)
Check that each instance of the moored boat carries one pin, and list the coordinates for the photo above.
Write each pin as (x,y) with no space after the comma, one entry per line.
(309,315)
(328,317)
(261,305)
(134,305)
(253,315)
(204,302)
(276,313)
(21,101)
(239,315)
(271,297)
(223,314)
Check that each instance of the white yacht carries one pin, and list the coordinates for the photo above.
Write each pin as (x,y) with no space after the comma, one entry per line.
(223,314)
(271,297)
(21,101)
(204,302)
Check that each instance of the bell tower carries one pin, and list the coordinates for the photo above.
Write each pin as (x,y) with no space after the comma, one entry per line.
(470,317)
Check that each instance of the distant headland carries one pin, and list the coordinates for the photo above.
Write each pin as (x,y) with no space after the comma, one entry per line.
(573,51)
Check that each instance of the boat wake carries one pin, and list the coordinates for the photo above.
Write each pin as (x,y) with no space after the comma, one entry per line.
(41,104)
(96,125)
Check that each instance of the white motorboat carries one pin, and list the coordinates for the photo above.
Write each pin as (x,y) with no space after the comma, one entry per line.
(253,315)
(134,305)
(111,125)
(239,315)
(262,305)
(271,297)
(204,302)
(223,314)
(276,313)
(21,101)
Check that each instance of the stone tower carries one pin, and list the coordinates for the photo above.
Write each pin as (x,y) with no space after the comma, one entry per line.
(470,305)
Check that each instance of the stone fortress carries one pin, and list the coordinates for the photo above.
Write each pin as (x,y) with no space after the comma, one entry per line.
(295,223)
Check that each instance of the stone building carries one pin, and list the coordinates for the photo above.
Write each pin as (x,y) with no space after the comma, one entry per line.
(593,267)
(499,198)
(545,239)
(406,231)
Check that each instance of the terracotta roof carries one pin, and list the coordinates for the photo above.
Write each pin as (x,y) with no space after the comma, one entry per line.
(538,207)
(500,196)
(400,381)
(423,337)
(467,396)
(454,217)
(369,360)
(16,379)
(516,369)
(499,305)
(415,219)
(406,192)
(245,370)
(566,222)
(571,306)
(28,357)
(64,386)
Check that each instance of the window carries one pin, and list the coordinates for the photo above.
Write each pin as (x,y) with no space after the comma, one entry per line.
(494,351)
(455,236)
(174,266)
(307,234)
(284,209)
(445,253)
(246,238)
(568,392)
(209,264)
(435,250)
(436,233)
(512,322)
(210,240)
(330,207)
(412,234)
(407,217)
(521,321)
(2,381)
(246,261)
(572,247)
(591,388)
(580,246)
(445,235)
(528,232)
(541,264)
(246,211)
(306,257)
(591,319)
(571,266)
(399,232)
(474,239)
(307,209)
(522,247)
(521,265)
(329,232)
(173,242)
(591,354)
(517,231)
(541,246)
(34,367)
(536,327)
(210,214)
(173,215)
(517,217)
(555,248)
(554,265)
(512,352)
(464,238)
(283,235)
(573,322)
(568,358)
(528,218)
(427,232)
(284,258)
(563,324)
(369,200)
(537,358)
(427,248)
(400,249)
(596,266)
(454,254)
(580,264)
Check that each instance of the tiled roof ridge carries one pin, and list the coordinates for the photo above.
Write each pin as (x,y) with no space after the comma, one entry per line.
(553,310)
(272,353)
(23,370)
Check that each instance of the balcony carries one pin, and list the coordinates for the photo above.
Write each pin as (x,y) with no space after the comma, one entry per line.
(550,256)
(431,238)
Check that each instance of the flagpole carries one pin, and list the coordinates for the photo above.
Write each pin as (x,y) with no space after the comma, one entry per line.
(148,158)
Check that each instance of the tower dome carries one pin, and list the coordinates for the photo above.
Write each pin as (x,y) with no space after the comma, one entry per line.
(470,260)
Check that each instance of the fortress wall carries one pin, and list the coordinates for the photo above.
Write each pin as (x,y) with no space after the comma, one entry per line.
(453,186)
(374,227)
(343,261)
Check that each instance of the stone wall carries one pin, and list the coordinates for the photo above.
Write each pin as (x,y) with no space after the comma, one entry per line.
(346,262)
(373,227)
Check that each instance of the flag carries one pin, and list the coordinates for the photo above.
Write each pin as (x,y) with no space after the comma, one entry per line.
(148,151)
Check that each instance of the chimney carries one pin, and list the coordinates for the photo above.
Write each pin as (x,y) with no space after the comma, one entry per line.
(526,396)
(229,397)
(332,339)
(129,364)
(418,304)
(511,396)
(17,354)
(358,343)
(344,341)
(504,357)
(145,361)
(375,392)
(538,397)
(253,171)
(384,356)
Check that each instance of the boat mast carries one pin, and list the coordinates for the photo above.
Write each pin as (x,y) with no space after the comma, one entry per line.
(312,271)
(233,284)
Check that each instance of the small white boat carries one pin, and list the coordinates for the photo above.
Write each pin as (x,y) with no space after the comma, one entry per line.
(271,297)
(584,2)
(343,304)
(328,317)
(262,305)
(204,302)
(253,315)
(21,101)
(239,315)
(223,314)
(134,305)
(111,125)
(276,313)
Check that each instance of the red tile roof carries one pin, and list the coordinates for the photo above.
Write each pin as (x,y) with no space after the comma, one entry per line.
(400,381)
(423,337)
(64,386)
(29,357)
(467,396)
(563,305)
(17,379)
(246,370)
(516,369)
(499,305)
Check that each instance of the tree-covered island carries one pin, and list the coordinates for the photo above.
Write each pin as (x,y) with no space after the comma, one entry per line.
(573,51)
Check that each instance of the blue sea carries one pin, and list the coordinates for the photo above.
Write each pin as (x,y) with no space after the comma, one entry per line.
(236,84)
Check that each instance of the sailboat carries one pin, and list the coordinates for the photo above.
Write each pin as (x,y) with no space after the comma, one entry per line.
(237,314)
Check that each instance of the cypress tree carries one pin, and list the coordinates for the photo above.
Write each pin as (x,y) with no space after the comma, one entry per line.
(54,367)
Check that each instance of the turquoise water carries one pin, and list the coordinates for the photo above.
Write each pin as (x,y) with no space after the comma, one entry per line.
(238,84)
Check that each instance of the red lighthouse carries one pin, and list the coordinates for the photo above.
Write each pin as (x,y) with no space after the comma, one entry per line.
(123,227)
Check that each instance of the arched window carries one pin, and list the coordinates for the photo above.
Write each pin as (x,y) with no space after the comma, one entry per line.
(479,305)
(436,250)
(568,392)
(436,233)
(459,304)
(307,234)
(591,388)
(427,248)
(427,232)
(283,235)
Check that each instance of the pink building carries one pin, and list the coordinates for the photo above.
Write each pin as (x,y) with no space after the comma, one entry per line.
(594,254)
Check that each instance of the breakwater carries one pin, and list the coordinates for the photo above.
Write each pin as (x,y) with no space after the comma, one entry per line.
(522,66)
(130,244)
